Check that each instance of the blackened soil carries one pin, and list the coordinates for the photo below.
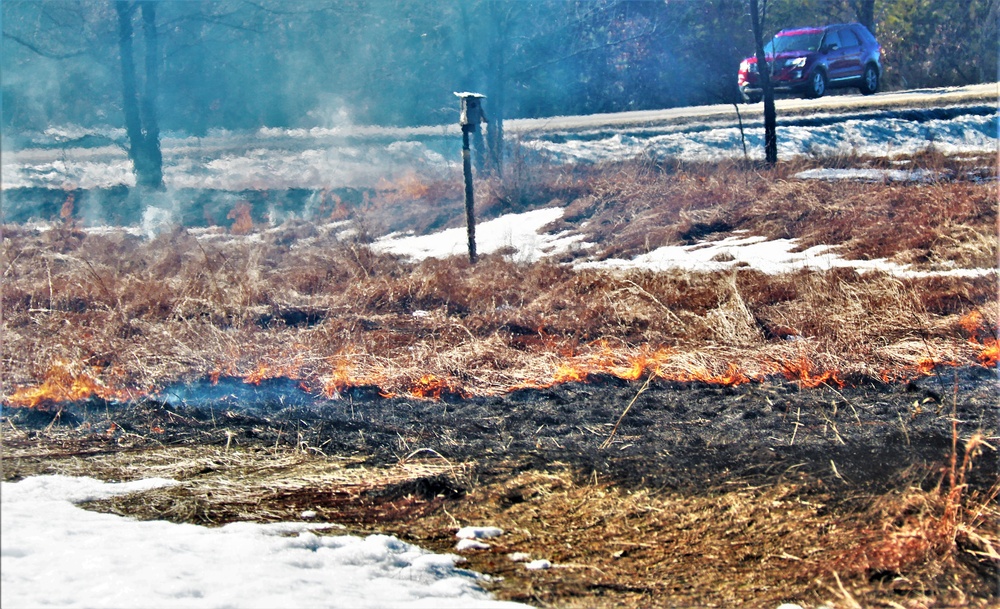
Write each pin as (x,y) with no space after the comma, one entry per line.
(685,436)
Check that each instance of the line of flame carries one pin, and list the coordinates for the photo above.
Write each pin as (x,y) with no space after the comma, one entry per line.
(63,384)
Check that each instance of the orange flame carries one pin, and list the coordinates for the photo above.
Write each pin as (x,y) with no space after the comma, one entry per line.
(271,371)
(972,322)
(803,372)
(732,376)
(990,353)
(61,384)
(979,336)
(66,213)
(430,386)
(568,373)
(926,366)
(242,220)
(345,375)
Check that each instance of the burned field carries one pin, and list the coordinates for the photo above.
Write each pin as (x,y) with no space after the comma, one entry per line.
(663,438)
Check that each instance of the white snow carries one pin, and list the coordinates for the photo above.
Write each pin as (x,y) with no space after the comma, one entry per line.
(868,175)
(468,537)
(517,231)
(55,554)
(865,136)
(772,257)
(478,532)
(777,256)
(470,544)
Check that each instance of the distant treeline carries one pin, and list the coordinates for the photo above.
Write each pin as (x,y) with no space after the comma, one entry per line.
(239,64)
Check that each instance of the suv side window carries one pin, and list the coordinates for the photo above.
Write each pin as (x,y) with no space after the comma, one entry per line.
(832,39)
(848,39)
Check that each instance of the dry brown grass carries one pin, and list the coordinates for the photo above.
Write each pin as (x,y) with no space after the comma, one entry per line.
(303,299)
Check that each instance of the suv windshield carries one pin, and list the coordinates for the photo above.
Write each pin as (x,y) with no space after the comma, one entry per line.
(794,42)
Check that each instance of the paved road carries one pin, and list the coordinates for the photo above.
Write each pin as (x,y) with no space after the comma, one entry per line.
(984,93)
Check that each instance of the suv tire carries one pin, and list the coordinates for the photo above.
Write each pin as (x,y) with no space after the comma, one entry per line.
(751,98)
(869,80)
(817,85)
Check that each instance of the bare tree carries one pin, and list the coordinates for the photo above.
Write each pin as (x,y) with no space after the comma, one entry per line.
(141,123)
(864,10)
(758,15)
(67,30)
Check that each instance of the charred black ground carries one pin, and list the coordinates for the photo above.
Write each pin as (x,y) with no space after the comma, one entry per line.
(675,435)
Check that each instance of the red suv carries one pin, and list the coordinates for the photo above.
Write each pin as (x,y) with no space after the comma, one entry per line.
(810,60)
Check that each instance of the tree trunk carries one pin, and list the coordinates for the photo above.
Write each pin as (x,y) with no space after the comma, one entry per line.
(864,10)
(497,84)
(764,73)
(141,126)
(151,143)
(494,129)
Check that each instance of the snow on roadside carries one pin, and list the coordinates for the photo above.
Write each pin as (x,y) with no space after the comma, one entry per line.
(272,159)
(56,554)
(877,137)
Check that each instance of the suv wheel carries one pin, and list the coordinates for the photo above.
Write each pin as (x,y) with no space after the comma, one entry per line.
(817,84)
(869,82)
(750,98)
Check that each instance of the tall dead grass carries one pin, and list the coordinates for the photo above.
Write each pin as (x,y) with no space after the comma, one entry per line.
(190,303)
(158,311)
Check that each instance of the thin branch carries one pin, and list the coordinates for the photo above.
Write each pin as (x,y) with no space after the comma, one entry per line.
(607,443)
(40,51)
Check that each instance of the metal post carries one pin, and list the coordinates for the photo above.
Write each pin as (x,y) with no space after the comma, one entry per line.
(470,203)
(472,115)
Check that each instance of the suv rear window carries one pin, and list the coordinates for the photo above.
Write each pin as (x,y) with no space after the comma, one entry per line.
(863,33)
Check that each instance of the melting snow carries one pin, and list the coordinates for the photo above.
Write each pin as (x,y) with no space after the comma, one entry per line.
(470,544)
(864,136)
(517,231)
(522,233)
(772,257)
(56,554)
(478,532)
(869,175)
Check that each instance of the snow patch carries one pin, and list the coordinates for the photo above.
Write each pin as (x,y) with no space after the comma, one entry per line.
(470,544)
(772,257)
(478,532)
(869,175)
(521,232)
(55,554)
